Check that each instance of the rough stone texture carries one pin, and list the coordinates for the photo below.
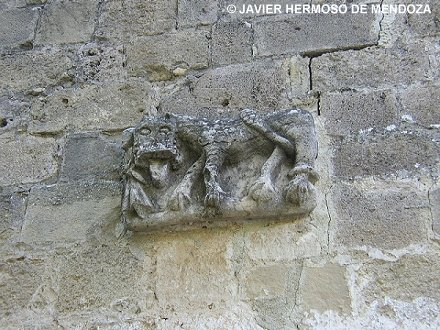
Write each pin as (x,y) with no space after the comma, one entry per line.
(91,156)
(157,56)
(199,12)
(389,153)
(389,215)
(260,86)
(315,34)
(67,212)
(41,69)
(350,112)
(17,28)
(232,43)
(421,103)
(371,67)
(332,293)
(12,207)
(27,159)
(64,22)
(111,106)
(434,200)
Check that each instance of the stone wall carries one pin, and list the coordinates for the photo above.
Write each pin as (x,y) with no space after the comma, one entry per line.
(76,73)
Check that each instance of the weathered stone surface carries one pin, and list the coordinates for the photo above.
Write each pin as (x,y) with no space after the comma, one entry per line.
(370,67)
(193,269)
(426,25)
(13,114)
(349,112)
(65,22)
(409,151)
(91,156)
(100,277)
(231,43)
(324,288)
(100,62)
(407,279)
(434,201)
(157,56)
(21,278)
(121,20)
(198,12)
(421,104)
(67,212)
(389,215)
(23,71)
(315,34)
(267,282)
(17,27)
(12,208)
(108,107)
(27,159)
(260,86)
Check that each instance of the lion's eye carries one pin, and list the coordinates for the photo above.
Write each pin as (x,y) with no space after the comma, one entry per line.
(145,131)
(164,130)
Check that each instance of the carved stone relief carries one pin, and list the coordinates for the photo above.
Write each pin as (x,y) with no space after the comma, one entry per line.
(181,170)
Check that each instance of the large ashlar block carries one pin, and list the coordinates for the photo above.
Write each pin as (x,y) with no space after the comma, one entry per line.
(39,69)
(392,153)
(384,215)
(156,57)
(27,159)
(91,107)
(372,67)
(350,112)
(102,160)
(65,22)
(17,27)
(264,85)
(315,33)
(104,277)
(411,277)
(421,103)
(324,288)
(67,212)
(181,170)
(197,12)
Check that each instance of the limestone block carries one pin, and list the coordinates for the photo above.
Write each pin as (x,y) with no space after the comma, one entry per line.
(12,206)
(259,86)
(370,67)
(38,69)
(20,279)
(267,282)
(421,104)
(99,62)
(99,277)
(193,269)
(409,151)
(108,106)
(65,22)
(157,56)
(231,43)
(315,33)
(388,215)
(88,155)
(349,112)
(17,27)
(13,114)
(409,278)
(198,12)
(27,159)
(324,288)
(434,200)
(67,212)
(425,25)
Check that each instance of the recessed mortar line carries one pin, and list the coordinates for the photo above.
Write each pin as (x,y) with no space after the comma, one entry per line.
(380,24)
